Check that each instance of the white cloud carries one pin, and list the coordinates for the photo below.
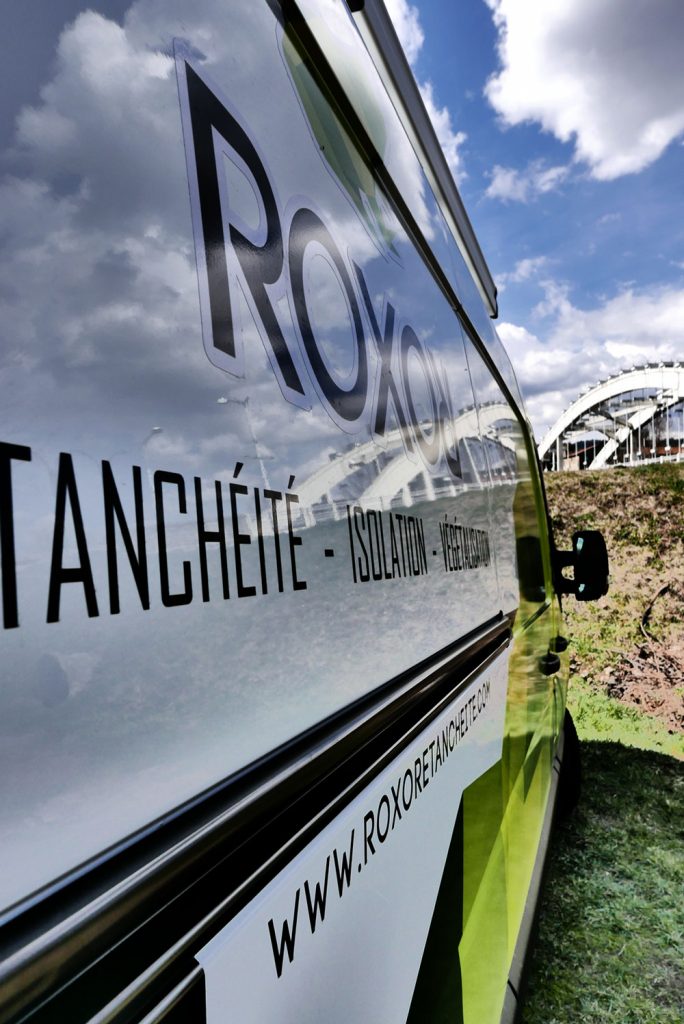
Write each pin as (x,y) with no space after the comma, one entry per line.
(555,302)
(522,186)
(580,346)
(407,26)
(524,270)
(605,75)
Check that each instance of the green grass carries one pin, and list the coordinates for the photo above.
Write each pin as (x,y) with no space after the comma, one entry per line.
(599,717)
(610,947)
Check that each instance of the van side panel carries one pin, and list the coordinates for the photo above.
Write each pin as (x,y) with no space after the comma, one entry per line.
(248,480)
(278,720)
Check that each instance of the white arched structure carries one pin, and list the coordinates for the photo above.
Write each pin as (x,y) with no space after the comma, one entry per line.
(664,383)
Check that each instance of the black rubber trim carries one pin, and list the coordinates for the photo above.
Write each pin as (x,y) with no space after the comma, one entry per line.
(187,1002)
(112,917)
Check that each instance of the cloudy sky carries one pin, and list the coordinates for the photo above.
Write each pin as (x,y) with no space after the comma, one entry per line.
(564,126)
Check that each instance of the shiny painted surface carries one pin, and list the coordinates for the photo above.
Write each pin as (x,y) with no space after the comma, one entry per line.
(120,700)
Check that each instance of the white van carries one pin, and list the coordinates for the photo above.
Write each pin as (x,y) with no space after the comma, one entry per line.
(283,674)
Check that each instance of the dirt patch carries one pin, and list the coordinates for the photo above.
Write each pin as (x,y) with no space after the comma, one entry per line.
(653,680)
(651,676)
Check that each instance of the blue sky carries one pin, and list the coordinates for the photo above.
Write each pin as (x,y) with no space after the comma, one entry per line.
(564,126)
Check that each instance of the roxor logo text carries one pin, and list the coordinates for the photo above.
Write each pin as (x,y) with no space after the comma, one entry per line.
(271,264)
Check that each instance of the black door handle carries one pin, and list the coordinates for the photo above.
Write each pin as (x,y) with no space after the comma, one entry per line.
(549,664)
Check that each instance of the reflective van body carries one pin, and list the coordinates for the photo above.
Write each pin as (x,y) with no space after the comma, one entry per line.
(282,689)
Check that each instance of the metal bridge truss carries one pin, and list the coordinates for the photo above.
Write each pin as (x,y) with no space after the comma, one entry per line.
(633,417)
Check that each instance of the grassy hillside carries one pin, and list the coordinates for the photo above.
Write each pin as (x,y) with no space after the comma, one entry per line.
(610,947)
(628,648)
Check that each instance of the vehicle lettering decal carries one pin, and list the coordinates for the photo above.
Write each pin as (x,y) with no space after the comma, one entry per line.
(270,264)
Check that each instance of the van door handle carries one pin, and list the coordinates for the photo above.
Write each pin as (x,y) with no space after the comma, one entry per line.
(549,664)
